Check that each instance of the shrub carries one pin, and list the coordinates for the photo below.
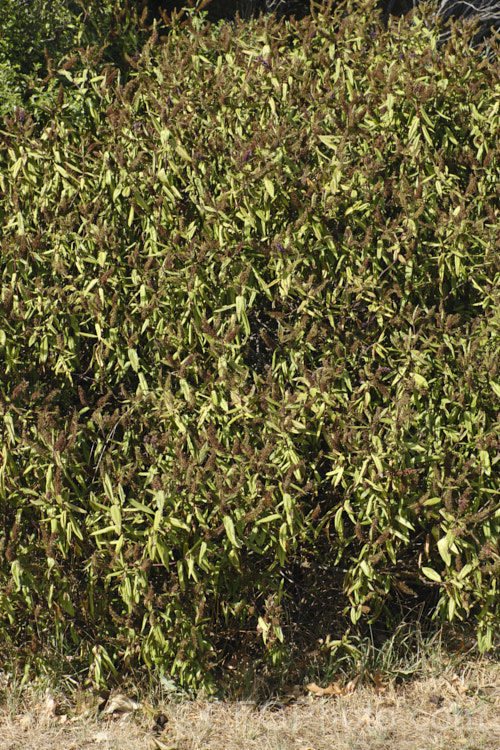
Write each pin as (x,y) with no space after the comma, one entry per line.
(40,37)
(249,347)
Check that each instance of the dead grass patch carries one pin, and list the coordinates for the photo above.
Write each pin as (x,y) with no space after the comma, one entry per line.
(456,709)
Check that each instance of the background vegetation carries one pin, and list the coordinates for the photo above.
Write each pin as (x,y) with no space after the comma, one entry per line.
(37,36)
(249,345)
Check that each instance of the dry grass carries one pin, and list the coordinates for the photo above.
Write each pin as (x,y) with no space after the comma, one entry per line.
(456,709)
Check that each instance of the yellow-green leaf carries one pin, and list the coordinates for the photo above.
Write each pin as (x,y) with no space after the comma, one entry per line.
(183,153)
(432,574)
(330,141)
(134,359)
(230,531)
(443,549)
(420,380)
(269,186)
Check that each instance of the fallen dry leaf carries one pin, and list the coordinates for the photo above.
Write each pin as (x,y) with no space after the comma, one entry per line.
(351,686)
(120,704)
(457,684)
(380,685)
(331,689)
(334,688)
(159,745)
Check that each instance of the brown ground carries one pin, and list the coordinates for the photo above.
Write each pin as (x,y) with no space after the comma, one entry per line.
(437,713)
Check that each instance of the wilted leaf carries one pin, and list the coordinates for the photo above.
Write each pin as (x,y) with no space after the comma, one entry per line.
(351,686)
(331,689)
(380,685)
(156,743)
(120,704)
(458,685)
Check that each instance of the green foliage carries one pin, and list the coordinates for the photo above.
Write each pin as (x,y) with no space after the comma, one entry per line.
(39,36)
(26,29)
(30,26)
(249,346)
(10,90)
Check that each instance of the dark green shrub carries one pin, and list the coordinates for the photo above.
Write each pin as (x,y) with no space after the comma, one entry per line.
(31,26)
(40,37)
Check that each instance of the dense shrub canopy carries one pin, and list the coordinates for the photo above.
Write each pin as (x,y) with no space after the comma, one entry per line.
(249,345)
